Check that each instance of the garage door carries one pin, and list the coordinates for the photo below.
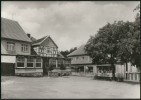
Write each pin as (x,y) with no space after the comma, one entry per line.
(8,65)
(7,69)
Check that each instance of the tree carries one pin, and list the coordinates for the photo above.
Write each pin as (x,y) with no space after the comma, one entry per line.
(135,59)
(120,40)
(111,44)
(65,53)
(62,67)
(73,49)
(51,67)
(105,46)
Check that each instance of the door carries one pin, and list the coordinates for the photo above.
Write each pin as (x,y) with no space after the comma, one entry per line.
(45,66)
(8,69)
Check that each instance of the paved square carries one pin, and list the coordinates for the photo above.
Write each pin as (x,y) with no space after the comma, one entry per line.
(65,87)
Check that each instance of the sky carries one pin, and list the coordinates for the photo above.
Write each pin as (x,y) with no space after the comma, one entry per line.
(69,23)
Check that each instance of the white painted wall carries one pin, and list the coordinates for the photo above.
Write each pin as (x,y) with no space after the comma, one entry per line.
(28,70)
(8,59)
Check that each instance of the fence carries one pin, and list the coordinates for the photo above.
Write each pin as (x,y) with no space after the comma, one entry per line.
(134,76)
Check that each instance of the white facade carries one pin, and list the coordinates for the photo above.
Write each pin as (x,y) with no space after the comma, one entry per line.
(8,59)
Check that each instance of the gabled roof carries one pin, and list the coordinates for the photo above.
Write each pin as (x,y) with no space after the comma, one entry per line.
(79,51)
(11,29)
(41,40)
(33,52)
(60,55)
(32,38)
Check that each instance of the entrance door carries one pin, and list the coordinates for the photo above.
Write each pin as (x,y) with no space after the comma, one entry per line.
(45,66)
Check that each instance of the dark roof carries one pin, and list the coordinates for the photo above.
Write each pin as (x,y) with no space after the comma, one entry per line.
(11,29)
(39,41)
(60,55)
(32,39)
(79,51)
(33,52)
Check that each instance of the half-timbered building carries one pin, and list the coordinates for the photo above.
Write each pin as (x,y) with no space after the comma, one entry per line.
(48,50)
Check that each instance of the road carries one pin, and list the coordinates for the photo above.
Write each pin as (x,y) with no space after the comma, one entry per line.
(69,87)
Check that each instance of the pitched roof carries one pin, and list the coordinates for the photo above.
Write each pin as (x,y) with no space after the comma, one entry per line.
(12,30)
(79,51)
(41,40)
(33,52)
(60,55)
(32,38)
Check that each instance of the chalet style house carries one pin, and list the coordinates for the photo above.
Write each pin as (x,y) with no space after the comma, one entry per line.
(82,64)
(47,49)
(16,58)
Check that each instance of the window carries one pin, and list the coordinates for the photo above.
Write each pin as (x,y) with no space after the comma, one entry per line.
(20,62)
(30,62)
(10,46)
(24,48)
(38,63)
(83,57)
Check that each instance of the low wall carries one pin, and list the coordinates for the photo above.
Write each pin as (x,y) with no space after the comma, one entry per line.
(29,72)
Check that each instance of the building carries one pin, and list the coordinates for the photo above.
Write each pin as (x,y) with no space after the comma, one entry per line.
(63,61)
(16,58)
(81,61)
(46,48)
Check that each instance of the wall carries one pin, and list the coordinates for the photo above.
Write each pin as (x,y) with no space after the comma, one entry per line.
(29,70)
(47,44)
(81,60)
(17,47)
(8,59)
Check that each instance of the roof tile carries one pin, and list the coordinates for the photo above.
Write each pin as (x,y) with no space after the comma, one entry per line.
(12,30)
(79,51)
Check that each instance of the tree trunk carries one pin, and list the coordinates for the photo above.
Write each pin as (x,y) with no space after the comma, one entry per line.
(113,70)
(113,67)
(126,66)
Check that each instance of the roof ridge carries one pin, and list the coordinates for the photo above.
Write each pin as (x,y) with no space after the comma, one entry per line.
(9,19)
(11,29)
(79,51)
(40,40)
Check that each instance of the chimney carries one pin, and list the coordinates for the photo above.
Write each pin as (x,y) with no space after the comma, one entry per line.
(28,35)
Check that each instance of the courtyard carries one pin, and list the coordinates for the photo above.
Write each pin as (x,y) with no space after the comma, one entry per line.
(66,87)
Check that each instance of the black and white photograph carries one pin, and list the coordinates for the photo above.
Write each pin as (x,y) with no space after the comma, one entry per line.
(70,50)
